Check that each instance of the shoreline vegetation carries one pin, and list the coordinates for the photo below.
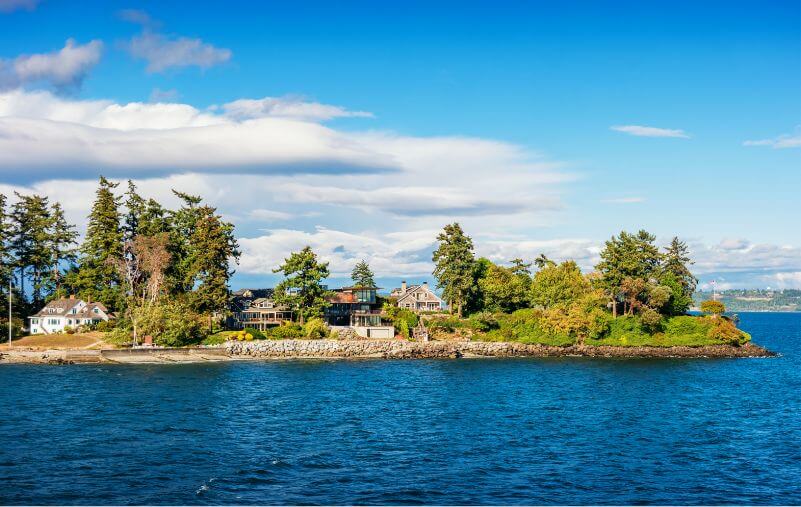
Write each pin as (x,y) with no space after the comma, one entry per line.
(165,275)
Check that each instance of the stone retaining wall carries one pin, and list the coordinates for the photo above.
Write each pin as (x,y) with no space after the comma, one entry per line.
(400,349)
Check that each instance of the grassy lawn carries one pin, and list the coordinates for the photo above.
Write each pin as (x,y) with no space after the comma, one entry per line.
(92,340)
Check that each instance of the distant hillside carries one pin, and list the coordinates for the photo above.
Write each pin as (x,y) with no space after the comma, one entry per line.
(756,300)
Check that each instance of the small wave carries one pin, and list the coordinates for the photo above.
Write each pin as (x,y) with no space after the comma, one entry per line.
(205,486)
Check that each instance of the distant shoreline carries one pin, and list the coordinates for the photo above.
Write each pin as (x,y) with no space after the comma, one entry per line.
(368,349)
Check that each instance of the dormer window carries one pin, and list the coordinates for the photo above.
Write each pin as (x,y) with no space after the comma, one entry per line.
(96,310)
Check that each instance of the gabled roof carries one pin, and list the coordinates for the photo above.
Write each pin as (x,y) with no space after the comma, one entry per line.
(63,304)
(411,290)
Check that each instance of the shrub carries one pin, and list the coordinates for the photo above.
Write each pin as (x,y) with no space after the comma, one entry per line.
(69,330)
(484,322)
(286,331)
(402,328)
(315,329)
(725,331)
(172,323)
(713,307)
(397,315)
(119,336)
(255,333)
(651,319)
(104,326)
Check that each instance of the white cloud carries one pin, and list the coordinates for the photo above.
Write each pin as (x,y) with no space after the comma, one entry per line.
(63,68)
(641,131)
(783,141)
(14,5)
(287,107)
(396,254)
(788,280)
(163,52)
(410,178)
(268,215)
(624,200)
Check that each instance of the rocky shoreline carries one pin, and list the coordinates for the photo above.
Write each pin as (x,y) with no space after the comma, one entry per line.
(397,349)
(365,349)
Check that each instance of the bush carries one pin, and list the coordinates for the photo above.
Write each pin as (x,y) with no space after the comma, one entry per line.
(104,326)
(397,315)
(172,323)
(725,331)
(286,331)
(120,336)
(402,328)
(315,329)
(69,330)
(713,307)
(484,322)
(651,319)
(255,333)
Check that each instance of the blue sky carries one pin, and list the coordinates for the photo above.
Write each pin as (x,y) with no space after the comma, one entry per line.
(497,114)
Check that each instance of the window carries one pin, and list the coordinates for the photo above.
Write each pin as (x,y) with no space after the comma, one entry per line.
(96,310)
(34,321)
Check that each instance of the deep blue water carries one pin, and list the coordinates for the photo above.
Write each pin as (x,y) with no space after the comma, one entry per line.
(566,431)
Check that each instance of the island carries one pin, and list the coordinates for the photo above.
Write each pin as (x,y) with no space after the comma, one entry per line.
(151,284)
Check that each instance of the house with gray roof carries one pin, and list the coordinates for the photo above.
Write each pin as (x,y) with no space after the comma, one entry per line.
(59,314)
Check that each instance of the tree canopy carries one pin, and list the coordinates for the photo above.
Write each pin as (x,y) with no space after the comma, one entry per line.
(454,266)
(362,275)
(302,288)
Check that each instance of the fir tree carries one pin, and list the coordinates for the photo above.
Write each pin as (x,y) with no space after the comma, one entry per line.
(676,275)
(627,256)
(182,229)
(301,288)
(97,278)
(453,269)
(362,275)
(135,207)
(32,246)
(63,238)
(213,246)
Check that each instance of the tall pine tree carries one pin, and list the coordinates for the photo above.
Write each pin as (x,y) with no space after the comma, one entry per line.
(63,238)
(454,262)
(302,288)
(32,246)
(362,275)
(97,278)
(213,246)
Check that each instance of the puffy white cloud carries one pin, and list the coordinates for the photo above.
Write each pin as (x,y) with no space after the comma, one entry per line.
(641,131)
(788,280)
(783,141)
(288,107)
(393,254)
(15,5)
(163,52)
(64,68)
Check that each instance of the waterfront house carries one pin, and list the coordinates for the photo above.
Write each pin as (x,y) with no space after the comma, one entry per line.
(256,308)
(63,313)
(418,298)
(359,308)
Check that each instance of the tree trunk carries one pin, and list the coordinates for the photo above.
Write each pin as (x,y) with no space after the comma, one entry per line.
(614,308)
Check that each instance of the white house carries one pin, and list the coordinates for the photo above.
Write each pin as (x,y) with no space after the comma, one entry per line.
(66,312)
(419,298)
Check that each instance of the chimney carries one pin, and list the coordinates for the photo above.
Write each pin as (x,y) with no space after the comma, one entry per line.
(72,296)
(403,287)
(425,285)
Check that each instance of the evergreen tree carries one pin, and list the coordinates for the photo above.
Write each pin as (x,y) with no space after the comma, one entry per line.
(182,230)
(519,267)
(454,263)
(63,238)
(627,256)
(213,247)
(543,261)
(676,275)
(154,219)
(362,275)
(6,259)
(301,288)
(32,246)
(135,207)
(97,277)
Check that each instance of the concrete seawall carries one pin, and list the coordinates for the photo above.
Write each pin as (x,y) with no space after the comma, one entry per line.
(398,349)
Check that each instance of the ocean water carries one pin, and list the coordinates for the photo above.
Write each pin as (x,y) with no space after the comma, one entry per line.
(522,431)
